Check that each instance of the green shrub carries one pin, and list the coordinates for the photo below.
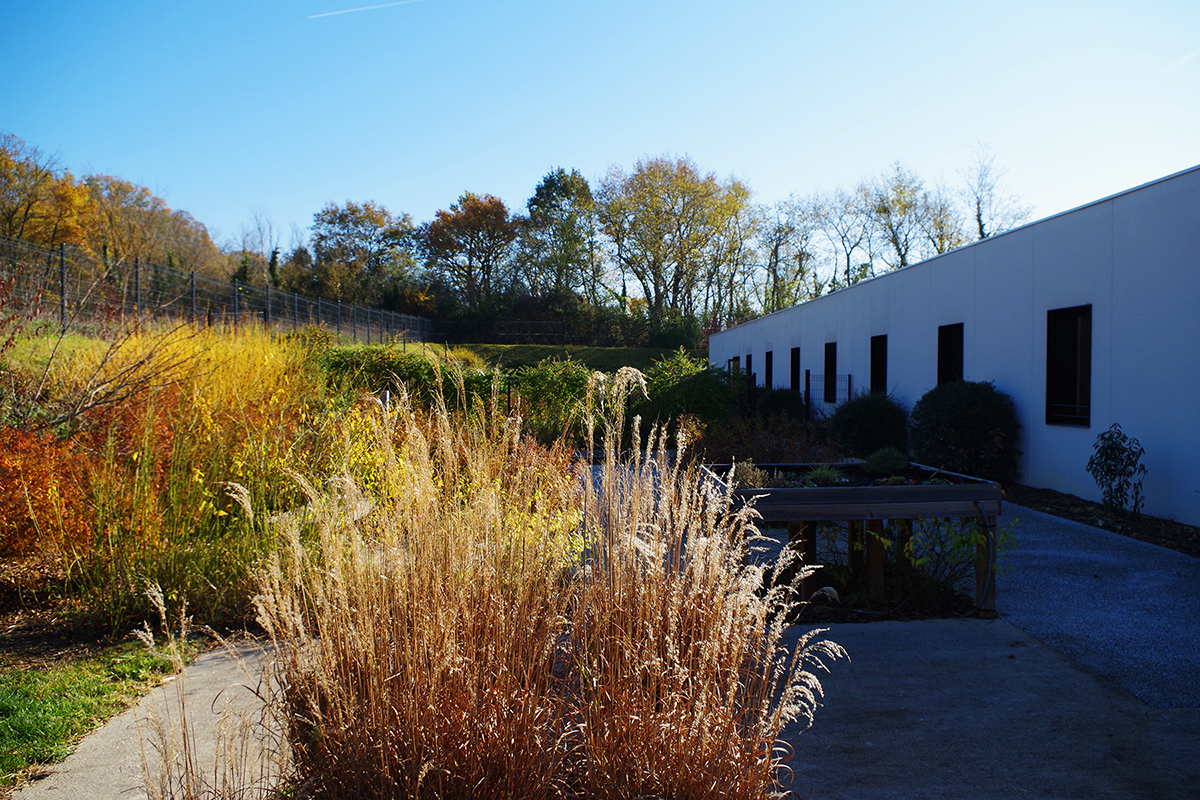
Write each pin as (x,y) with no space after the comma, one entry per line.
(552,395)
(967,427)
(673,329)
(885,461)
(766,440)
(681,386)
(421,370)
(373,368)
(781,402)
(744,474)
(868,423)
(1114,465)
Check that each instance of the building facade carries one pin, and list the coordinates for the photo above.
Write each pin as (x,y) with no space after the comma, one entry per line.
(1086,318)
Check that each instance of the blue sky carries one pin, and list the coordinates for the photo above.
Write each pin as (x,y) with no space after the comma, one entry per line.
(281,106)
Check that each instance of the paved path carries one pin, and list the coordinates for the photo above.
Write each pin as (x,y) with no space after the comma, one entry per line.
(108,764)
(1086,687)
(1127,610)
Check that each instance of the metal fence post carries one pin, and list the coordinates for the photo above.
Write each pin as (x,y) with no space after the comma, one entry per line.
(62,285)
(237,303)
(192,281)
(267,309)
(807,400)
(137,286)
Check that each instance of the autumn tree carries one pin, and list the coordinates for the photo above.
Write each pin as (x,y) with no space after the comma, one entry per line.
(844,220)
(664,222)
(897,209)
(359,250)
(127,221)
(992,210)
(941,223)
(727,287)
(786,235)
(471,247)
(259,257)
(556,244)
(296,273)
(39,201)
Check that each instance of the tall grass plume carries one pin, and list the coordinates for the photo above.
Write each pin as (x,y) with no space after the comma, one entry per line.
(496,620)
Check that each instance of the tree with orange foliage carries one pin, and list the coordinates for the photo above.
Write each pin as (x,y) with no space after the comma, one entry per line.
(470,246)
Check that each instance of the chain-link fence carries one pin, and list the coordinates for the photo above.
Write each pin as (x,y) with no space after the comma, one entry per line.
(73,290)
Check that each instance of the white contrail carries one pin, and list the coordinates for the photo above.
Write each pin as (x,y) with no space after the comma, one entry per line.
(1182,62)
(364,8)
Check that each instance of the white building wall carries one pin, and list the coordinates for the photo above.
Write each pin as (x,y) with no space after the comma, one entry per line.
(1134,257)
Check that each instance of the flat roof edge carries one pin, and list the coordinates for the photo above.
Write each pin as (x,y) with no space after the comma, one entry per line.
(976,243)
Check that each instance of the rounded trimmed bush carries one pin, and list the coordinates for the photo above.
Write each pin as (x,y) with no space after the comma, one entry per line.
(967,427)
(781,402)
(868,423)
(885,461)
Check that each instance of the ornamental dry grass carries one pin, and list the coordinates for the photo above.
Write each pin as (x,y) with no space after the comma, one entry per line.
(496,621)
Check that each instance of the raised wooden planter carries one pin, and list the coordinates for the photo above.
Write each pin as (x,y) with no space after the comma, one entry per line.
(869,506)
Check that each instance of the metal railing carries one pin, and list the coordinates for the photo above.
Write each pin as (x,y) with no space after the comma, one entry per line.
(822,396)
(75,290)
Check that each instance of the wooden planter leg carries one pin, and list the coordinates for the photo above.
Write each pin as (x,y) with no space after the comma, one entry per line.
(804,536)
(874,547)
(985,568)
(855,550)
(903,537)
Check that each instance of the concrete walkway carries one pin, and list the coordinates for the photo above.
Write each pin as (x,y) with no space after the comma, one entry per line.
(1086,687)
(108,764)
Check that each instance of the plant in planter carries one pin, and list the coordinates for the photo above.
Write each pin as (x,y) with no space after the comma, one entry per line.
(885,462)
(744,473)
(1114,464)
(824,475)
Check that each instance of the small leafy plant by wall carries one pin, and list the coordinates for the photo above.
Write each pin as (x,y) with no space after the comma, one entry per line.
(967,427)
(870,422)
(1114,465)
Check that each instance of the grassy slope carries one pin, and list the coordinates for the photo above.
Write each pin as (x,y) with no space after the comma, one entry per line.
(605,359)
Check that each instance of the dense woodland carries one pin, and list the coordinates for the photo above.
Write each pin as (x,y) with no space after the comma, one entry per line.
(658,254)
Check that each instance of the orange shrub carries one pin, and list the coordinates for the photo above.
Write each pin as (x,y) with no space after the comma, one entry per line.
(41,495)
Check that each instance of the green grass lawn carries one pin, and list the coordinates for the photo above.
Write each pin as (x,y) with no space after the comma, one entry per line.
(605,359)
(45,711)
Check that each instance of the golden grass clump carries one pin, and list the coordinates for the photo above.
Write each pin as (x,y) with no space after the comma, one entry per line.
(151,423)
(495,621)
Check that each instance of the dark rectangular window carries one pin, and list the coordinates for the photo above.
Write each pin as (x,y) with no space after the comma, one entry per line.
(950,353)
(734,364)
(769,370)
(879,365)
(796,383)
(750,369)
(831,372)
(1069,366)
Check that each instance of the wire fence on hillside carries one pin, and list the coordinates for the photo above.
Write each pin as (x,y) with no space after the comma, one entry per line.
(71,289)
